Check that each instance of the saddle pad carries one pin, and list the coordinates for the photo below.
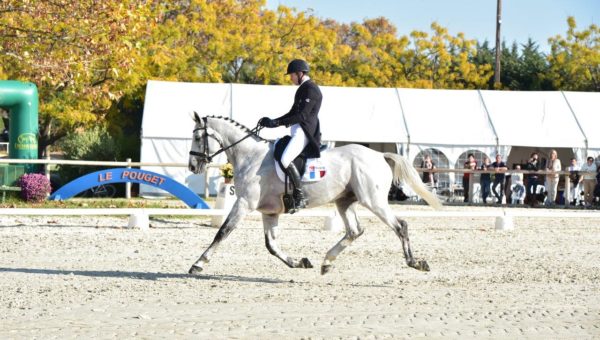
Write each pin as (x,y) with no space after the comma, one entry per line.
(311,169)
(314,170)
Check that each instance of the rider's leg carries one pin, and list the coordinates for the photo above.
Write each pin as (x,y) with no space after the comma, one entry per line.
(292,150)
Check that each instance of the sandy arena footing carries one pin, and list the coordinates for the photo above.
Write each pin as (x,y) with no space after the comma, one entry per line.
(91,277)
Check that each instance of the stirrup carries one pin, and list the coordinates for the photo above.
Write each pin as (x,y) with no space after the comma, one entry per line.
(299,199)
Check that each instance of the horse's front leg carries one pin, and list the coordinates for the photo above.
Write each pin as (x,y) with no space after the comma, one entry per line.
(271,233)
(237,213)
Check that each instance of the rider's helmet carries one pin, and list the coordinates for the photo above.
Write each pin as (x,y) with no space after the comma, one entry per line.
(297,65)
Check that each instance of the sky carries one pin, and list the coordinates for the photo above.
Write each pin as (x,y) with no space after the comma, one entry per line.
(521,19)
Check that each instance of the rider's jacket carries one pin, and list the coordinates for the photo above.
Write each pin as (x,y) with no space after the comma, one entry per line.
(305,111)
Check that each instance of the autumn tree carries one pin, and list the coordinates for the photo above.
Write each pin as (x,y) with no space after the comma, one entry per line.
(444,61)
(575,58)
(78,53)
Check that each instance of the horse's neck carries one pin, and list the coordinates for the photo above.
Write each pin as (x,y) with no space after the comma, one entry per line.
(242,152)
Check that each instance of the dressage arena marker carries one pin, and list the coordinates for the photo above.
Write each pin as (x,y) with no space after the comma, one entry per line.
(139,217)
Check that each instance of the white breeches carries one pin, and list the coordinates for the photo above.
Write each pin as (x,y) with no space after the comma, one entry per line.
(295,147)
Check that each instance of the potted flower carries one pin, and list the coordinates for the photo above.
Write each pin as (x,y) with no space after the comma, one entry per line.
(227,172)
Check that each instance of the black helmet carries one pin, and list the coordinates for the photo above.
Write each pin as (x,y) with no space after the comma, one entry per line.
(298,65)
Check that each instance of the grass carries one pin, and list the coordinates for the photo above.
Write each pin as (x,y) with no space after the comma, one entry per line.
(14,201)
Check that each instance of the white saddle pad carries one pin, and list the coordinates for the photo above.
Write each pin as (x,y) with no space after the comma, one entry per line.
(313,172)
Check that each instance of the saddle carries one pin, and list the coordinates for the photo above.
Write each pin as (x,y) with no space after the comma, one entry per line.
(311,169)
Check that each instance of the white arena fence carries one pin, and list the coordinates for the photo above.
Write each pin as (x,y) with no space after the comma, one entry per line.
(139,217)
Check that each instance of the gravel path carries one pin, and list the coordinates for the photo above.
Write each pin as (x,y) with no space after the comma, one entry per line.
(89,277)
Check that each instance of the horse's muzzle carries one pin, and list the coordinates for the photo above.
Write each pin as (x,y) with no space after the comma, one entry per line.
(194,166)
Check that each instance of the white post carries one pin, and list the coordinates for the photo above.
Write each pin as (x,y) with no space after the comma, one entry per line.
(225,199)
(139,220)
(504,222)
(334,223)
(47,166)
(567,191)
(128,184)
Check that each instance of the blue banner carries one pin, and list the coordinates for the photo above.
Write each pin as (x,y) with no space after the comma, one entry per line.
(123,175)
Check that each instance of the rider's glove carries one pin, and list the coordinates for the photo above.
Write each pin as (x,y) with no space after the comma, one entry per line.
(268,122)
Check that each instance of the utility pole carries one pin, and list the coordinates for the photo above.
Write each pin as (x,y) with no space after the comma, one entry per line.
(498,43)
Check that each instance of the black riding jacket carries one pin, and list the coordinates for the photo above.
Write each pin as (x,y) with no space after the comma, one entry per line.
(305,111)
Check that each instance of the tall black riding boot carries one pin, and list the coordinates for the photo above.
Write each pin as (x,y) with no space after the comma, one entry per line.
(294,175)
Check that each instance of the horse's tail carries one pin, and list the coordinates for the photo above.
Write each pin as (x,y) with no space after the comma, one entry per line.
(404,171)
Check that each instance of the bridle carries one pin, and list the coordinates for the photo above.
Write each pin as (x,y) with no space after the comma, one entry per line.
(204,156)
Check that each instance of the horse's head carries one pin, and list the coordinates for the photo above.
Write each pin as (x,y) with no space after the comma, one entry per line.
(205,142)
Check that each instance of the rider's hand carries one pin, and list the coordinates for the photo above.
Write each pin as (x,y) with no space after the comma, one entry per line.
(267,122)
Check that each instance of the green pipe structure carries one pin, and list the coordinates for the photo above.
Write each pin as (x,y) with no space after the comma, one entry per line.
(21,101)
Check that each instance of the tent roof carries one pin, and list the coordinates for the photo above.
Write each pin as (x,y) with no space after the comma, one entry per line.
(536,119)
(586,106)
(387,115)
(252,102)
(448,117)
(362,115)
(169,107)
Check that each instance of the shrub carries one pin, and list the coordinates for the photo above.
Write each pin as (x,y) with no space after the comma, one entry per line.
(34,187)
(94,144)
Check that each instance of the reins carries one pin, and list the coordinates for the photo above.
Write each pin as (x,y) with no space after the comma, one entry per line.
(208,158)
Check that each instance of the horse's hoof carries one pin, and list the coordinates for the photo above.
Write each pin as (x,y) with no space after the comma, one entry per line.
(422,266)
(326,268)
(305,263)
(195,270)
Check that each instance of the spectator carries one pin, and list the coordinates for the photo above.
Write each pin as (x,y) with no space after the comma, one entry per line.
(553,166)
(470,164)
(485,179)
(429,178)
(517,187)
(573,194)
(532,179)
(588,178)
(500,167)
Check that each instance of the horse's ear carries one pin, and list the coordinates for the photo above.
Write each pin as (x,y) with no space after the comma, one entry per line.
(196,117)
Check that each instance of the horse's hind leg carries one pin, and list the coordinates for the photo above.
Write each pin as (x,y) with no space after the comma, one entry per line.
(271,231)
(346,208)
(400,227)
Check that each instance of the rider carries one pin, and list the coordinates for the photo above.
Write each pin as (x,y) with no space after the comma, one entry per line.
(304,120)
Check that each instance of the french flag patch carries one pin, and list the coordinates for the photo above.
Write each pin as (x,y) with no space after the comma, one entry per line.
(314,171)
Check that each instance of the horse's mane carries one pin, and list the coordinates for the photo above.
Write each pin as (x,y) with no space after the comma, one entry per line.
(240,126)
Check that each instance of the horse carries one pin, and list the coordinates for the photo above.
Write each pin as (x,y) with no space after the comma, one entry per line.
(355,175)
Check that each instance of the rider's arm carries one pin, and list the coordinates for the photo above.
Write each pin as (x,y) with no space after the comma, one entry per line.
(301,110)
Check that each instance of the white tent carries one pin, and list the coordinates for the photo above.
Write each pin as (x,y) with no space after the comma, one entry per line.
(449,121)
(167,126)
(536,119)
(586,108)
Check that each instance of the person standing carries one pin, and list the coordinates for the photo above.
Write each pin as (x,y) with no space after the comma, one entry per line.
(303,118)
(588,178)
(517,187)
(573,194)
(553,167)
(470,164)
(429,178)
(485,179)
(532,179)
(500,167)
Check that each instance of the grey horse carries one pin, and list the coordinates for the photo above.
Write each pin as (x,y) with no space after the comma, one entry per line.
(355,175)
